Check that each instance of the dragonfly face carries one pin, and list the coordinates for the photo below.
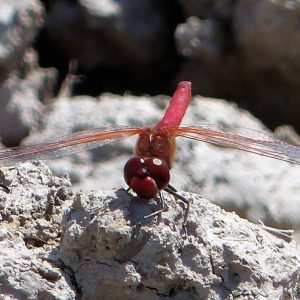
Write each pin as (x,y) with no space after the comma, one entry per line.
(146,176)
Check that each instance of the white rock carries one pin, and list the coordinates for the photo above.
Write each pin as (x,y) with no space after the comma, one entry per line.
(29,234)
(114,256)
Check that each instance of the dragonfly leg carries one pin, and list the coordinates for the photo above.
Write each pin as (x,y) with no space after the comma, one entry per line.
(171,190)
(163,207)
(286,235)
(161,201)
(4,188)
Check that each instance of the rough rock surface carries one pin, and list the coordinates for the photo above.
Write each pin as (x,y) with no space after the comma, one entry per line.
(115,253)
(30,226)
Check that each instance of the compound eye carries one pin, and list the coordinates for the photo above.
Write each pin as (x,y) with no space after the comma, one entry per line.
(144,187)
(159,171)
(146,176)
(135,166)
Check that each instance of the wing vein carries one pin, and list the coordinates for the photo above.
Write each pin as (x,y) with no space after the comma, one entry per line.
(74,143)
(242,139)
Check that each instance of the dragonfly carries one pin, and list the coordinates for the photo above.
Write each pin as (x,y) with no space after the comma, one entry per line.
(147,173)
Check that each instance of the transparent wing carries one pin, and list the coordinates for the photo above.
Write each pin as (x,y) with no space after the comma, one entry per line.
(83,140)
(241,138)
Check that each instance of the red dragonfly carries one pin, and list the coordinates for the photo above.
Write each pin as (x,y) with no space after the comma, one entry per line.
(147,173)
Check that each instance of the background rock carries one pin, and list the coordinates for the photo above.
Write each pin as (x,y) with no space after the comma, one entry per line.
(244,50)
(19,21)
(126,30)
(21,99)
(130,38)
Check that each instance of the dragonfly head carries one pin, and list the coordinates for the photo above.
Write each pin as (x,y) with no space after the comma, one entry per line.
(146,176)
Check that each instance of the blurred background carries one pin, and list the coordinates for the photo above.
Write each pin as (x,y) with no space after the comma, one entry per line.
(118,51)
(245,51)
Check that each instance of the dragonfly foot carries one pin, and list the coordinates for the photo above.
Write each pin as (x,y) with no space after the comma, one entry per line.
(164,207)
(286,235)
(171,190)
(4,188)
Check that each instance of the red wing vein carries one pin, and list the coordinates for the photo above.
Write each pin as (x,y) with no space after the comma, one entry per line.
(242,139)
(74,143)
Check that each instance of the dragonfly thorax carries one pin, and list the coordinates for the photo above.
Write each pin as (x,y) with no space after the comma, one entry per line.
(146,176)
(156,143)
